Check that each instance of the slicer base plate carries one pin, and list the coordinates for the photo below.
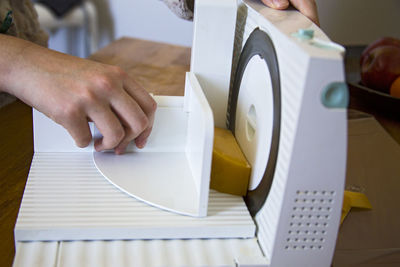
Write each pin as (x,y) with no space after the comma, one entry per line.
(66,198)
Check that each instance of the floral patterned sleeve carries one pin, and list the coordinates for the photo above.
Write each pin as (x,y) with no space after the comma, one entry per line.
(182,8)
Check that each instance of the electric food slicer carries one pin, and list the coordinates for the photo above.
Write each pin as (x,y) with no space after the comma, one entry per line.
(282,94)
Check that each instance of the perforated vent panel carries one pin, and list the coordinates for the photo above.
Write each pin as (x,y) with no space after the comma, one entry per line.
(310,219)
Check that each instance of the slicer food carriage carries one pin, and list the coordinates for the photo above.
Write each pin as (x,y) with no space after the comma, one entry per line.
(281,93)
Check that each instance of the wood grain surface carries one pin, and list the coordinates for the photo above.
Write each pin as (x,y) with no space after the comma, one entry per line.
(160,68)
(16,147)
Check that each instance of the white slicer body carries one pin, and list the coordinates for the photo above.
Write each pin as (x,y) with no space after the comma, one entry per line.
(277,82)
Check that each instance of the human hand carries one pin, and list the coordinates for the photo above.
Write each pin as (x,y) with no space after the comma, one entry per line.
(307,7)
(119,107)
(73,91)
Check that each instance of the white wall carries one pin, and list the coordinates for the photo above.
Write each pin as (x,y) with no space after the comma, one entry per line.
(145,19)
(349,22)
(150,20)
(359,22)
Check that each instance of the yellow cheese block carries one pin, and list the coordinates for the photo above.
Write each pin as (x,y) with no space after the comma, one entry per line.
(230,171)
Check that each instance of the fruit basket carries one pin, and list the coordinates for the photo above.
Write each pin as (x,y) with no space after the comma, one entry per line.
(372,75)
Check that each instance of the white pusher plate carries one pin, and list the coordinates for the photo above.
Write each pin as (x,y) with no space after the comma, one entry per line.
(173,171)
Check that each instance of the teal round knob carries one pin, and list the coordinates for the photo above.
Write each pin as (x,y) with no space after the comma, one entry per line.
(305,34)
(335,95)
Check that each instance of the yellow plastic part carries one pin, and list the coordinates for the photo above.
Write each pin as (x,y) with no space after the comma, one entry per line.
(353,200)
(230,171)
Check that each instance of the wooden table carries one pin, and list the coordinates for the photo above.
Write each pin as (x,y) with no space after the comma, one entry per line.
(16,148)
(160,68)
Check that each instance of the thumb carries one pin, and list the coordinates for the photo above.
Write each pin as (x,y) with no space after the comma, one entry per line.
(308,8)
(276,4)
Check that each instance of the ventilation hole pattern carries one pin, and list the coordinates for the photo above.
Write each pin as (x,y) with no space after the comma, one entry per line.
(309,220)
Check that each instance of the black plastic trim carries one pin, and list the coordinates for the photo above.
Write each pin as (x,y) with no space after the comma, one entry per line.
(259,43)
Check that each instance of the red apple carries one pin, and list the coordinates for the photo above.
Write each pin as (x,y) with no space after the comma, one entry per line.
(377,43)
(381,67)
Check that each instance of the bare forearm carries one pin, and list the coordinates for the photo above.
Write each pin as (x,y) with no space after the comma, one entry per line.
(27,69)
(11,61)
(72,91)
